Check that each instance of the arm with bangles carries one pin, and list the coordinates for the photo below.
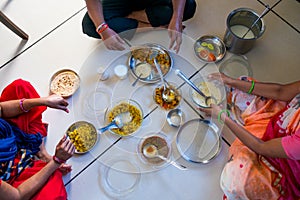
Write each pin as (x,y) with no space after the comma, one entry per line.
(64,150)
(282,92)
(111,39)
(14,108)
(270,148)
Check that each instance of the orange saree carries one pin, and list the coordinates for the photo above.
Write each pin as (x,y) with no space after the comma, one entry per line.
(248,175)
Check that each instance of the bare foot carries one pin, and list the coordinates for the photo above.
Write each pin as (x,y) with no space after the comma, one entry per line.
(43,154)
(140,16)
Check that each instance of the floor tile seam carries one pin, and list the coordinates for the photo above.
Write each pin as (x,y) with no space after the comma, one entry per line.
(94,160)
(44,36)
(280,17)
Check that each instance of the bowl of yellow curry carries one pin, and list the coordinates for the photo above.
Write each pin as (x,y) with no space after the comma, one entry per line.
(83,135)
(133,116)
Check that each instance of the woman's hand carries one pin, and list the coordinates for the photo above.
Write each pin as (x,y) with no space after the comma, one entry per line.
(57,102)
(64,149)
(65,168)
(213,111)
(220,77)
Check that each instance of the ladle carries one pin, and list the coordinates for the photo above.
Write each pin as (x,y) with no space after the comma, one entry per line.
(118,122)
(208,99)
(151,151)
(168,94)
(253,24)
(261,16)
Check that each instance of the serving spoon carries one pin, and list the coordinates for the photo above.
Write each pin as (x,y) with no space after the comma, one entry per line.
(136,80)
(208,99)
(168,94)
(151,151)
(118,122)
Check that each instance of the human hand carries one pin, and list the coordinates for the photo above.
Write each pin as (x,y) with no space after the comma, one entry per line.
(213,111)
(57,102)
(112,40)
(64,149)
(175,34)
(219,77)
(65,168)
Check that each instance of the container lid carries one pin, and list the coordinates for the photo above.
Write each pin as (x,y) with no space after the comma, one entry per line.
(121,177)
(236,66)
(198,141)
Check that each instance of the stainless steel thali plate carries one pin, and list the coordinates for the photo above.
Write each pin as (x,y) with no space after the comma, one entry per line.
(141,61)
(209,48)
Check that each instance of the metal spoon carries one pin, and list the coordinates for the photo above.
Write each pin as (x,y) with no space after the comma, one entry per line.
(208,99)
(136,80)
(262,15)
(151,151)
(118,122)
(168,94)
(253,24)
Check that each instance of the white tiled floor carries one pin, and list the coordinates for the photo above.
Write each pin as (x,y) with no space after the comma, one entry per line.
(56,41)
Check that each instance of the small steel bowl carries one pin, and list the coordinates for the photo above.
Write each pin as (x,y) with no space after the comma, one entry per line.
(175,117)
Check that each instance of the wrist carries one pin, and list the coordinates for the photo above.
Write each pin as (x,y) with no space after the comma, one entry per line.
(222,116)
(58,160)
(101,28)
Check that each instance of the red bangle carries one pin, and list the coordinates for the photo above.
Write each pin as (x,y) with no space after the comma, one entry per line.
(102,27)
(22,106)
(58,160)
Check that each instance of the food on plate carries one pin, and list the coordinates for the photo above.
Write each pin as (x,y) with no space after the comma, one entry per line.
(211,46)
(143,70)
(148,54)
(64,83)
(211,57)
(162,147)
(83,135)
(130,127)
(209,89)
(141,53)
(203,53)
(173,96)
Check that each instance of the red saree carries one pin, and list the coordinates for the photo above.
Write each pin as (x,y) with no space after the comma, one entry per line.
(31,122)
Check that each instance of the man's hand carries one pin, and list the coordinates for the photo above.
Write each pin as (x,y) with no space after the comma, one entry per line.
(175,34)
(112,40)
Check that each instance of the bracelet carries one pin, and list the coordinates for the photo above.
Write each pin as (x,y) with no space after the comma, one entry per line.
(251,88)
(102,27)
(220,113)
(58,160)
(22,106)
